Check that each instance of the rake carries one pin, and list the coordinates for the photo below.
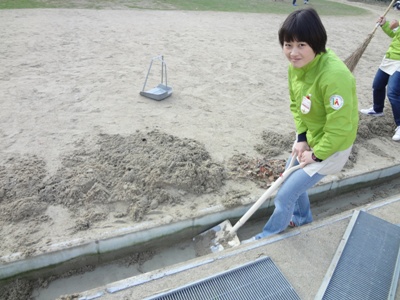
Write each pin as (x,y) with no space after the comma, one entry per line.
(352,61)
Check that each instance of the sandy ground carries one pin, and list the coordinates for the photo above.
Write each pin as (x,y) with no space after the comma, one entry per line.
(82,152)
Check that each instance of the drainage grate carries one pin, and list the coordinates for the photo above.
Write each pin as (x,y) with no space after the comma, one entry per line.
(366,263)
(260,279)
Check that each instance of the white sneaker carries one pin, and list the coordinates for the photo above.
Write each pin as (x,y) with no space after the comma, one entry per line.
(396,136)
(371,112)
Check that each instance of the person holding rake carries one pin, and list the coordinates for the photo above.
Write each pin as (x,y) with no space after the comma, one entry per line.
(324,106)
(387,78)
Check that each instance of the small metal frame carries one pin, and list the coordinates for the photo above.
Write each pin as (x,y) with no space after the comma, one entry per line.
(162,90)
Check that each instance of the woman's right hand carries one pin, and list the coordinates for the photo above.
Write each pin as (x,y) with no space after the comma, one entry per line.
(299,148)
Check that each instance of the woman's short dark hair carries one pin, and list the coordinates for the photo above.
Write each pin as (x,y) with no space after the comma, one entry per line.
(304,25)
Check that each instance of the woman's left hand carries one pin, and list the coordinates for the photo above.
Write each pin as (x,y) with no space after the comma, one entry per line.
(381,21)
(306,158)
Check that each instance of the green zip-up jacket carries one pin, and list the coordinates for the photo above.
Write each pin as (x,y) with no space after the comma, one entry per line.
(394,48)
(332,121)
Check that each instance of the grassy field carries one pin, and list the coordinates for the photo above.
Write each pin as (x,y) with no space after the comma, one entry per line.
(324,7)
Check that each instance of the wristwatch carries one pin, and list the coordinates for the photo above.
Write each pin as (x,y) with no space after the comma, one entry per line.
(315,158)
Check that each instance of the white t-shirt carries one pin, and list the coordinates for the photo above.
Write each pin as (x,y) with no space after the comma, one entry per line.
(332,165)
(389,66)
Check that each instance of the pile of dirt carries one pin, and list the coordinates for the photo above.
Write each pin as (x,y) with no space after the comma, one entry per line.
(141,172)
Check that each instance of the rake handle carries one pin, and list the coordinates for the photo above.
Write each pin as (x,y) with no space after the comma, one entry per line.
(384,15)
(265,196)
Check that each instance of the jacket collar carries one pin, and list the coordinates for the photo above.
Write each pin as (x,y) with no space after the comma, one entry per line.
(308,69)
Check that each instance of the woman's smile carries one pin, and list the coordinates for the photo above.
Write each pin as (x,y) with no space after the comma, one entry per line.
(299,54)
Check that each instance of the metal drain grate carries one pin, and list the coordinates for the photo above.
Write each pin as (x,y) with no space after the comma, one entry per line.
(366,263)
(260,279)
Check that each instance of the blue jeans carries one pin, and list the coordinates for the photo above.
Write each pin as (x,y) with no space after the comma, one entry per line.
(379,84)
(291,203)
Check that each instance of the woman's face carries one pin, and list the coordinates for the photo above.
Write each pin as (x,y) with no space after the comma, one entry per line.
(298,53)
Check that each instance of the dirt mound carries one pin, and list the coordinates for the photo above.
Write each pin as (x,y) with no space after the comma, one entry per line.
(141,171)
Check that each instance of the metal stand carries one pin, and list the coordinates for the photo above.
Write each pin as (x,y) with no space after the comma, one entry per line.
(162,90)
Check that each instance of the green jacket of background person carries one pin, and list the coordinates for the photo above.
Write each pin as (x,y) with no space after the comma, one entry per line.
(394,48)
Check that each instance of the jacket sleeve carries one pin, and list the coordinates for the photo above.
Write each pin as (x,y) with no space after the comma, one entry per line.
(341,108)
(299,124)
(386,29)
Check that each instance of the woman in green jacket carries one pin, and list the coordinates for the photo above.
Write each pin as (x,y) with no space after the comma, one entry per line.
(323,102)
(387,78)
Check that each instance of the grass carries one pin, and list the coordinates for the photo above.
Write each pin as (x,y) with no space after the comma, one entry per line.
(10,4)
(324,7)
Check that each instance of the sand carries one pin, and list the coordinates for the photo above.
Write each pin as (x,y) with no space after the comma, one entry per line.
(83,154)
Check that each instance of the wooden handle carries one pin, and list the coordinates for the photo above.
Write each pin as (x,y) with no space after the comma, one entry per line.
(389,7)
(265,196)
(384,15)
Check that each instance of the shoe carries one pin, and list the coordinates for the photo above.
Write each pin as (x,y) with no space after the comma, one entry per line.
(371,112)
(305,2)
(292,224)
(295,4)
(396,136)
